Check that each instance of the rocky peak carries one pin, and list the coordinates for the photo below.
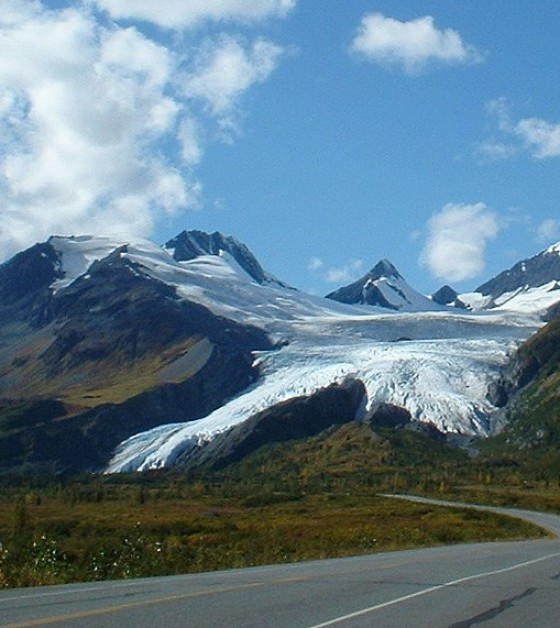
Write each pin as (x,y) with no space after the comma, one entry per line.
(529,273)
(383,286)
(28,272)
(191,244)
(384,268)
(446,295)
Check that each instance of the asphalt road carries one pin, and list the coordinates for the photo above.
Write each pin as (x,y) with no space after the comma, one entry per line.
(491,584)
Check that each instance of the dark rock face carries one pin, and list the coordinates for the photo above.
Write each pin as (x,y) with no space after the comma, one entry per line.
(428,429)
(533,272)
(389,415)
(104,323)
(27,273)
(446,295)
(119,311)
(190,244)
(300,417)
(553,311)
(87,441)
(364,290)
(25,282)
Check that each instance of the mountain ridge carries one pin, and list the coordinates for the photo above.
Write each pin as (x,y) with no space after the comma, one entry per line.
(385,287)
(126,334)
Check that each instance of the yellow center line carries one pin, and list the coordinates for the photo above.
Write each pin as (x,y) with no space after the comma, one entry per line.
(107,610)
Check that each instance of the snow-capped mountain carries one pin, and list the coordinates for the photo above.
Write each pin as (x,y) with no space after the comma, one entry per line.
(385,287)
(446,295)
(531,284)
(119,354)
(189,245)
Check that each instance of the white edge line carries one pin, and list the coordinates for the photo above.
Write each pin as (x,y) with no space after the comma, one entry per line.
(398,600)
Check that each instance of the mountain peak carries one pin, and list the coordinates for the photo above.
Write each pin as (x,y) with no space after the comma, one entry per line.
(553,249)
(383,286)
(384,268)
(191,244)
(529,273)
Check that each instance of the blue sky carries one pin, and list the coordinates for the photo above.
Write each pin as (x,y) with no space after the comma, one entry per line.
(325,134)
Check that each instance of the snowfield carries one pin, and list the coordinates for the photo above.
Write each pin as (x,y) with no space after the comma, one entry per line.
(437,364)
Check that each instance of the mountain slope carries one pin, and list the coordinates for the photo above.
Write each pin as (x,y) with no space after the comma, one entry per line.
(535,417)
(117,355)
(384,286)
(189,245)
(531,283)
(116,350)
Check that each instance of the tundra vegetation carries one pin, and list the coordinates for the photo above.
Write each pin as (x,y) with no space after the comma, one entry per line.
(314,498)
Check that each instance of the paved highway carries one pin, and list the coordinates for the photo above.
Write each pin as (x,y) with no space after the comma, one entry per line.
(492,584)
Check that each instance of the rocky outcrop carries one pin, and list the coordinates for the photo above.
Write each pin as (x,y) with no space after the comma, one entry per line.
(535,271)
(388,415)
(86,441)
(364,290)
(90,336)
(295,418)
(190,244)
(446,295)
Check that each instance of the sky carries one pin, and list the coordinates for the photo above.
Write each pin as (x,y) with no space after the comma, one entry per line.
(324,134)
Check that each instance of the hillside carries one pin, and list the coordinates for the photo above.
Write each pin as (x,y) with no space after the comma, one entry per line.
(122,355)
(532,433)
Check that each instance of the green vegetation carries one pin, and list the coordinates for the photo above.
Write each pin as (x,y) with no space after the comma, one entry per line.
(528,451)
(301,500)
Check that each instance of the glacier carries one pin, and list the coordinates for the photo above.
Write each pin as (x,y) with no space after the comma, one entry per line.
(437,364)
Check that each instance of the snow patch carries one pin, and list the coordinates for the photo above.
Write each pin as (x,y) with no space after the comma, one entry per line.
(434,361)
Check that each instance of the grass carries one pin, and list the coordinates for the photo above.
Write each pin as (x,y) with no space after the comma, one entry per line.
(93,529)
(301,500)
(85,385)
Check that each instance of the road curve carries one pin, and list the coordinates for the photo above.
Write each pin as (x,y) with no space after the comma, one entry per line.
(494,584)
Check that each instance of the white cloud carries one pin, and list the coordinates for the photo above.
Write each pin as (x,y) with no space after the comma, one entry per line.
(548,231)
(344,274)
(541,137)
(535,135)
(495,150)
(181,14)
(224,69)
(315,263)
(81,108)
(341,274)
(98,123)
(457,240)
(410,45)
(189,139)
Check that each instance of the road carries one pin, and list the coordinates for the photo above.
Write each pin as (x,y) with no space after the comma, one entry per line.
(493,584)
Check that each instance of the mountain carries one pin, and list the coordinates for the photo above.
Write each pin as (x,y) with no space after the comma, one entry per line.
(383,286)
(446,295)
(531,434)
(189,245)
(95,349)
(118,354)
(533,281)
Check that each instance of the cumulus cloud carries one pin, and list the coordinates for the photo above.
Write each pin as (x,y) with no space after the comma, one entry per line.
(99,124)
(541,137)
(181,14)
(411,45)
(457,240)
(224,69)
(315,263)
(344,274)
(335,274)
(538,137)
(548,230)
